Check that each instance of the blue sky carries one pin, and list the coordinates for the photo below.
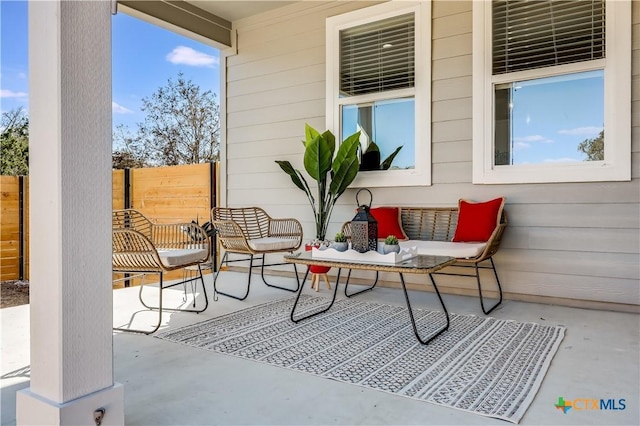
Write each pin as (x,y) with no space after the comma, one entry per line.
(551,116)
(144,58)
(14,82)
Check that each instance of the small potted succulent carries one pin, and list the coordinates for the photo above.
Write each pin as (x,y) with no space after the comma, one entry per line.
(340,242)
(391,245)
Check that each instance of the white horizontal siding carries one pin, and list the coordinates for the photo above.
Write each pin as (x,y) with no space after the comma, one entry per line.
(264,83)
(576,215)
(446,131)
(557,239)
(276,97)
(576,241)
(451,88)
(451,110)
(458,66)
(273,131)
(578,263)
(275,114)
(276,64)
(452,152)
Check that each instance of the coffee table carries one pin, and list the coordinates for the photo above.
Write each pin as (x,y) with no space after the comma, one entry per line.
(425,265)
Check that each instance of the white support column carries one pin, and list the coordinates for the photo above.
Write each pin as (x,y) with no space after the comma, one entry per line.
(70,202)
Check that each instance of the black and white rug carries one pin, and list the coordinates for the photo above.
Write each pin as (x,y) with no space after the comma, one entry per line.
(484,365)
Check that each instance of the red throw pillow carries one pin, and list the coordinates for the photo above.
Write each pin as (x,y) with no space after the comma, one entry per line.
(476,221)
(389,222)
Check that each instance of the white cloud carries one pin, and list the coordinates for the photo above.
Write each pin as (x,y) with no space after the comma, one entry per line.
(188,56)
(522,145)
(581,131)
(4,93)
(532,138)
(119,109)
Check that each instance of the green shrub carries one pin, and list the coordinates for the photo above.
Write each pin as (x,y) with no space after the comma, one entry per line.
(340,238)
(391,240)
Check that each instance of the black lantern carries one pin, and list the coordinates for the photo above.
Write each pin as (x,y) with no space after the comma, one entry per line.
(364,227)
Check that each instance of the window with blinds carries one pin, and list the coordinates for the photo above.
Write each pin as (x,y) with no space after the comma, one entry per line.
(536,34)
(378,56)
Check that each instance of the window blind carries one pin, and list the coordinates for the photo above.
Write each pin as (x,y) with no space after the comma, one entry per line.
(378,56)
(541,33)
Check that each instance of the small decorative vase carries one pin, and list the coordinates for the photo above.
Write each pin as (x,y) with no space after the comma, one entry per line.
(390,249)
(340,246)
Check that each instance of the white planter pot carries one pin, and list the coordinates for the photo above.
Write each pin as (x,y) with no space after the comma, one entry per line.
(391,248)
(341,246)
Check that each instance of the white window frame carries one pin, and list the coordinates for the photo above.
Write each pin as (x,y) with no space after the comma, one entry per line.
(617,105)
(421,173)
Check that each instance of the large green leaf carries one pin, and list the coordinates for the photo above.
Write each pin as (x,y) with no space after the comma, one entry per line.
(387,162)
(299,180)
(345,165)
(373,147)
(309,133)
(331,140)
(344,176)
(288,169)
(307,189)
(348,148)
(318,158)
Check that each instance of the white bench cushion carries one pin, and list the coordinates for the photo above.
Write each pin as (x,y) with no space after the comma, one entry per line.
(445,248)
(273,243)
(175,257)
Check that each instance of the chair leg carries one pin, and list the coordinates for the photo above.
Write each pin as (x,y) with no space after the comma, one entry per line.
(276,286)
(215,276)
(157,326)
(215,289)
(493,266)
(326,280)
(251,266)
(163,287)
(204,291)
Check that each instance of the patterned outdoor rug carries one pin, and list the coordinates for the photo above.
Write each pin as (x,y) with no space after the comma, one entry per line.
(483,365)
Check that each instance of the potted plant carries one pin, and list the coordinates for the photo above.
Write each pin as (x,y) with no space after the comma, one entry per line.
(370,159)
(340,242)
(391,245)
(333,170)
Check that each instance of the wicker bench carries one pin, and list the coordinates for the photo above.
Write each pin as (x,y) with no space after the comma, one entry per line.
(431,231)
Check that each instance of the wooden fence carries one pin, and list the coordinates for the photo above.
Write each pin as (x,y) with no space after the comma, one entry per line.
(14,227)
(163,194)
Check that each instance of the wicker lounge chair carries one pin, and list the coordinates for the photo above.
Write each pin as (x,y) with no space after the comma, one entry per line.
(142,247)
(250,231)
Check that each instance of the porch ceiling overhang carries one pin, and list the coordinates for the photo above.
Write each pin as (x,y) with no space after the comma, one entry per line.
(209,21)
(238,9)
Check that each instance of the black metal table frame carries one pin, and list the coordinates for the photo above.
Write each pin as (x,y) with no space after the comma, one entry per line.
(376,268)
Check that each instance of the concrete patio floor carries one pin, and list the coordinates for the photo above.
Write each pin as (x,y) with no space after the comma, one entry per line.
(170,384)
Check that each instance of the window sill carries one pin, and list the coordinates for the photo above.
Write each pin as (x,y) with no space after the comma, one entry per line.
(390,178)
(596,171)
